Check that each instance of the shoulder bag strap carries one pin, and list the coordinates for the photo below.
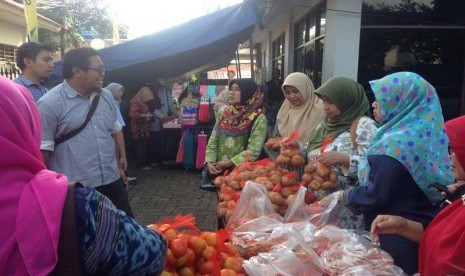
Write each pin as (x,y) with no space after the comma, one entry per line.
(73,133)
(68,251)
(353,132)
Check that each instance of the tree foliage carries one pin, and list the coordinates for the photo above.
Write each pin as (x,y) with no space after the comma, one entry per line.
(75,15)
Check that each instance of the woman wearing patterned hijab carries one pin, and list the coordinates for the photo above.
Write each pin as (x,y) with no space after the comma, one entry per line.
(407,154)
(240,128)
(442,245)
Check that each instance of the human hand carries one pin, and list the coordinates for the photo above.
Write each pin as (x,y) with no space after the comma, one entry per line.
(123,164)
(331,158)
(124,178)
(222,165)
(285,144)
(325,201)
(453,187)
(387,224)
(328,200)
(212,168)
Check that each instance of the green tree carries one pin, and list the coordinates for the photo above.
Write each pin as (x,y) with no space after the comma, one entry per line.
(75,15)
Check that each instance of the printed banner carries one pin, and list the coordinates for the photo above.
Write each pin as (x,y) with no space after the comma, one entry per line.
(114,24)
(30,12)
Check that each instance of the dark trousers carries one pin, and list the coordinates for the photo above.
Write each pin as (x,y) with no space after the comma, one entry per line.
(141,147)
(118,195)
(156,152)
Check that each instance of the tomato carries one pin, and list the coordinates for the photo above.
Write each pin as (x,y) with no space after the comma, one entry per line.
(211,239)
(187,260)
(197,244)
(179,247)
(228,272)
(186,271)
(170,234)
(233,263)
(207,268)
(166,273)
(209,253)
(170,260)
(231,205)
(230,249)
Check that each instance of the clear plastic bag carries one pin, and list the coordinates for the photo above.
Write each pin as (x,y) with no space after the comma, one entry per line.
(347,251)
(252,204)
(315,213)
(253,237)
(327,237)
(365,270)
(292,257)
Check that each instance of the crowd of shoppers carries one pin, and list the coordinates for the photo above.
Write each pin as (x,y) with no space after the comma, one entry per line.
(74,134)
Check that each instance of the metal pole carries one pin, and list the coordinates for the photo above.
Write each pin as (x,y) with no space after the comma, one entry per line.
(252,71)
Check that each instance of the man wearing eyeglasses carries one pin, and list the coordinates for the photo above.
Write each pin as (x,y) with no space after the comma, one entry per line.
(36,64)
(88,157)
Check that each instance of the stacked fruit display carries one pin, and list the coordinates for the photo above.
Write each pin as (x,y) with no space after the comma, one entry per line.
(290,157)
(280,183)
(273,143)
(192,252)
(319,176)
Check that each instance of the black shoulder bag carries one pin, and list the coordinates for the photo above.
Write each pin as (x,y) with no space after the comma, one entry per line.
(73,133)
(68,250)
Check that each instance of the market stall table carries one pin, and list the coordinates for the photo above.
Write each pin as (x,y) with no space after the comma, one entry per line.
(171,136)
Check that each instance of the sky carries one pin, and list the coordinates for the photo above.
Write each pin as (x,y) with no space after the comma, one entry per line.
(149,16)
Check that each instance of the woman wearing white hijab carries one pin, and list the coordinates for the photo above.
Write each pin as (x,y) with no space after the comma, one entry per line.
(302,110)
(117,90)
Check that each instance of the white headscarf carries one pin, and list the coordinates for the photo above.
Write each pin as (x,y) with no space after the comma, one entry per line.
(114,88)
(305,117)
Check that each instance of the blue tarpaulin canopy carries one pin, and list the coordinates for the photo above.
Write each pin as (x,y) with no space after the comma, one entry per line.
(208,42)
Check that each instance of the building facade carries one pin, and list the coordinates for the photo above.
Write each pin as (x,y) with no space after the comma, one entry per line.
(365,40)
(13,32)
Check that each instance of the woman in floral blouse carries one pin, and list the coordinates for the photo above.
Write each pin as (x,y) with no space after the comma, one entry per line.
(240,129)
(345,104)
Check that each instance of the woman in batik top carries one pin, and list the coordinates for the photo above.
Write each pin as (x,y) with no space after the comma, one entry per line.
(240,129)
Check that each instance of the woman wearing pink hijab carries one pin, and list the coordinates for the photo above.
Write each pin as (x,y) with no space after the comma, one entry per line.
(31,207)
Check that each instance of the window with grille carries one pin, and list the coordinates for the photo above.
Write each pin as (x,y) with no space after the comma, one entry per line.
(278,53)
(8,61)
(309,44)
(7,54)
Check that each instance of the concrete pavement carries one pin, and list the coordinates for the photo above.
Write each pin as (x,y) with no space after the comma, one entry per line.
(168,191)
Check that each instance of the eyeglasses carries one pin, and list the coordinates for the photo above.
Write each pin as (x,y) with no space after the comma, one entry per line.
(101,71)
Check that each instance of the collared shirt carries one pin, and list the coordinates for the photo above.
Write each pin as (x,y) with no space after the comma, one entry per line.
(88,157)
(37,91)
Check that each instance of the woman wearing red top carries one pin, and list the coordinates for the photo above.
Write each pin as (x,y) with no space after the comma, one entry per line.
(442,246)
